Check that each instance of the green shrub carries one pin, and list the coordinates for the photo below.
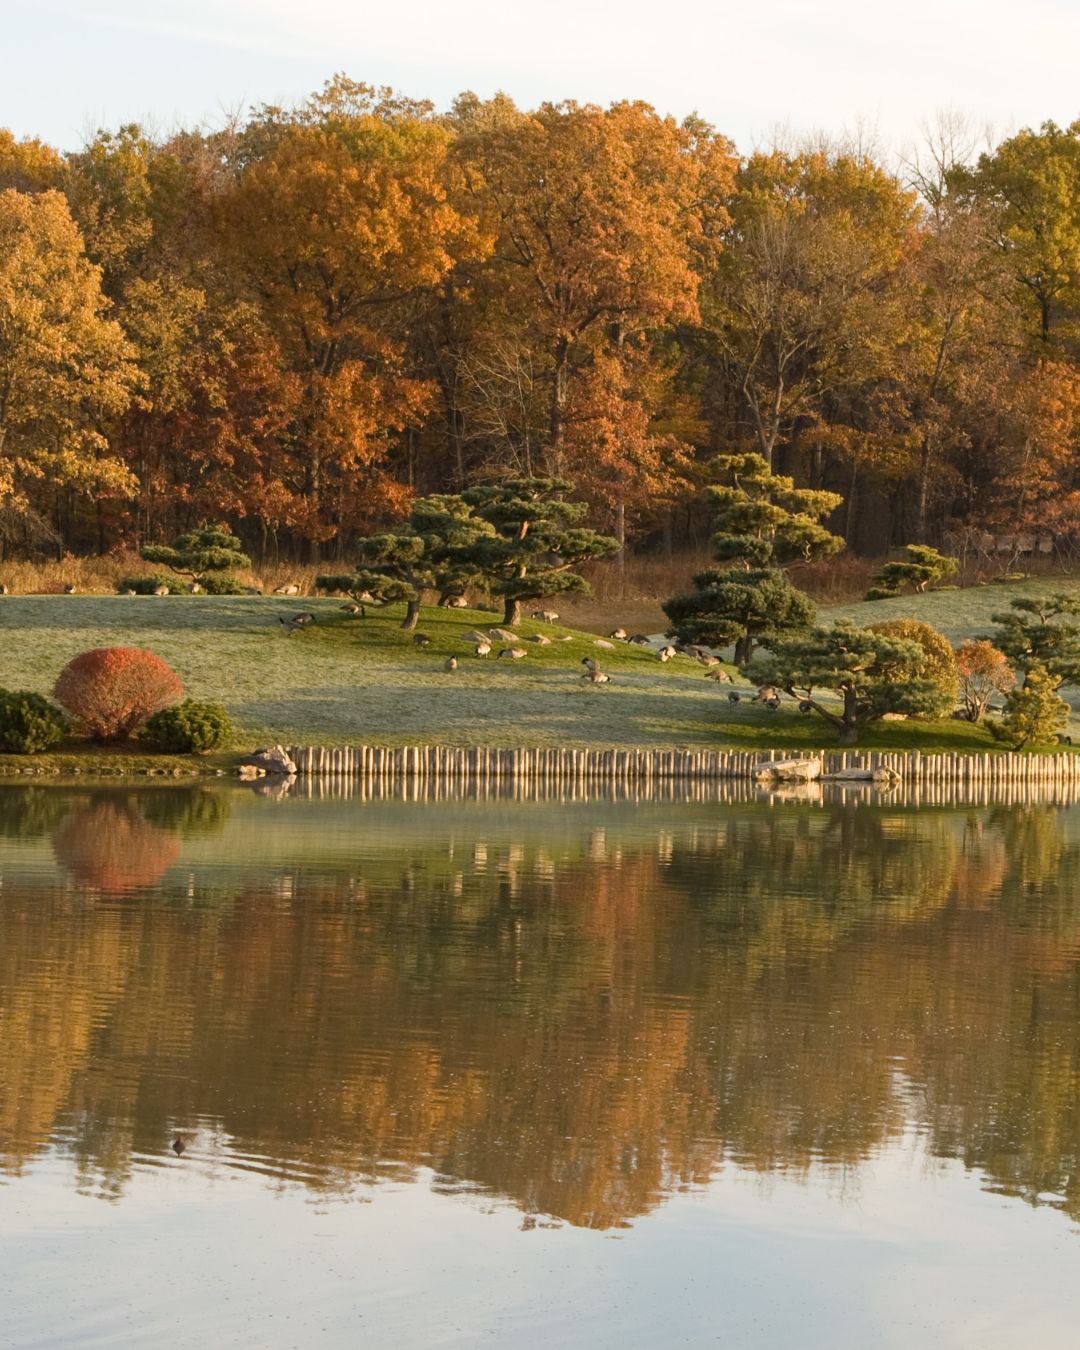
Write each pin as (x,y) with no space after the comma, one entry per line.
(188,728)
(1034,714)
(217,583)
(148,585)
(29,723)
(940,659)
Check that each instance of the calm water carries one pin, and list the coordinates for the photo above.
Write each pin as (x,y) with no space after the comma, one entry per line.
(599,1074)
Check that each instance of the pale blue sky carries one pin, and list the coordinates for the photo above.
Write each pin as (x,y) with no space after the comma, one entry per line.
(67,66)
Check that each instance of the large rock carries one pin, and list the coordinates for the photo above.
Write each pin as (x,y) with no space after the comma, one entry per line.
(274,761)
(789,770)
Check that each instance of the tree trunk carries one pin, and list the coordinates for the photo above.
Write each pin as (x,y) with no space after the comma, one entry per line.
(620,535)
(744,650)
(412,615)
(849,735)
(557,412)
(511,612)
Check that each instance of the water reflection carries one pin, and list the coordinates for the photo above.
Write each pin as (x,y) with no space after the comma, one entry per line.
(580,1009)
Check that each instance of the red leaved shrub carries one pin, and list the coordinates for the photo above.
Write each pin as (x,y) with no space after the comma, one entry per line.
(112,690)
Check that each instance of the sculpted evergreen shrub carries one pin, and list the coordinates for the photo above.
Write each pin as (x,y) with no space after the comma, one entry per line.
(111,691)
(218,583)
(1034,713)
(29,723)
(188,728)
(939,663)
(149,585)
(921,568)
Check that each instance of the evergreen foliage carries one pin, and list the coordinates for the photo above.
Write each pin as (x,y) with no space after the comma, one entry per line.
(187,728)
(29,723)
(732,606)
(1034,713)
(200,552)
(763,523)
(939,660)
(763,520)
(921,567)
(872,673)
(433,550)
(537,541)
(1044,631)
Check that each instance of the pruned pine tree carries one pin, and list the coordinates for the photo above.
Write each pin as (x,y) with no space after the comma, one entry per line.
(537,543)
(870,673)
(921,567)
(432,550)
(211,548)
(730,606)
(1042,631)
(764,523)
(1034,713)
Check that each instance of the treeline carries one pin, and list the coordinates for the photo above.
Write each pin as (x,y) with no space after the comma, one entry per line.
(298,322)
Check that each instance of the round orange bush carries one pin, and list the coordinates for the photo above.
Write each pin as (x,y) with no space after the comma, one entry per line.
(111,691)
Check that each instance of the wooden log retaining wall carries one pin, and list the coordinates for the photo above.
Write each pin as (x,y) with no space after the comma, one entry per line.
(645,768)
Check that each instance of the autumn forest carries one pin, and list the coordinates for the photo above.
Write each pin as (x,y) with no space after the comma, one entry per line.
(296,322)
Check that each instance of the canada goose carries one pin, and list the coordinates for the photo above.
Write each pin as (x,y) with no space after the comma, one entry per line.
(178,1145)
(353,608)
(545,615)
(194,588)
(596,677)
(639,640)
(707,659)
(129,591)
(70,589)
(161,590)
(421,640)
(1062,739)
(590,663)
(514,653)
(483,648)
(502,635)
(805,706)
(771,704)
(3,589)
(290,589)
(290,625)
(733,697)
(619,634)
(719,674)
(541,639)
(457,602)
(450,664)
(666,653)
(603,642)
(304,618)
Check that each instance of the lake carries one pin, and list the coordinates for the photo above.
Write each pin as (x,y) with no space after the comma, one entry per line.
(310,1069)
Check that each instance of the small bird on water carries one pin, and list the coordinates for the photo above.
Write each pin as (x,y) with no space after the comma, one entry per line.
(178,1145)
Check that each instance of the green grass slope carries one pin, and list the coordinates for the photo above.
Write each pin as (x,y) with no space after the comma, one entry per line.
(349,680)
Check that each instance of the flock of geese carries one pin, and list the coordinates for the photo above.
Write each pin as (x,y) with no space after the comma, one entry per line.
(507,646)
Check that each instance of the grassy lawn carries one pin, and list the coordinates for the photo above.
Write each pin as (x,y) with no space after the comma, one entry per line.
(350,680)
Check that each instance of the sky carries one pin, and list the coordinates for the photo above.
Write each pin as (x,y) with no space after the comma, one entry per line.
(750,67)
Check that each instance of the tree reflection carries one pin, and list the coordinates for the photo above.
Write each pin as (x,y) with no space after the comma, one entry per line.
(578,1016)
